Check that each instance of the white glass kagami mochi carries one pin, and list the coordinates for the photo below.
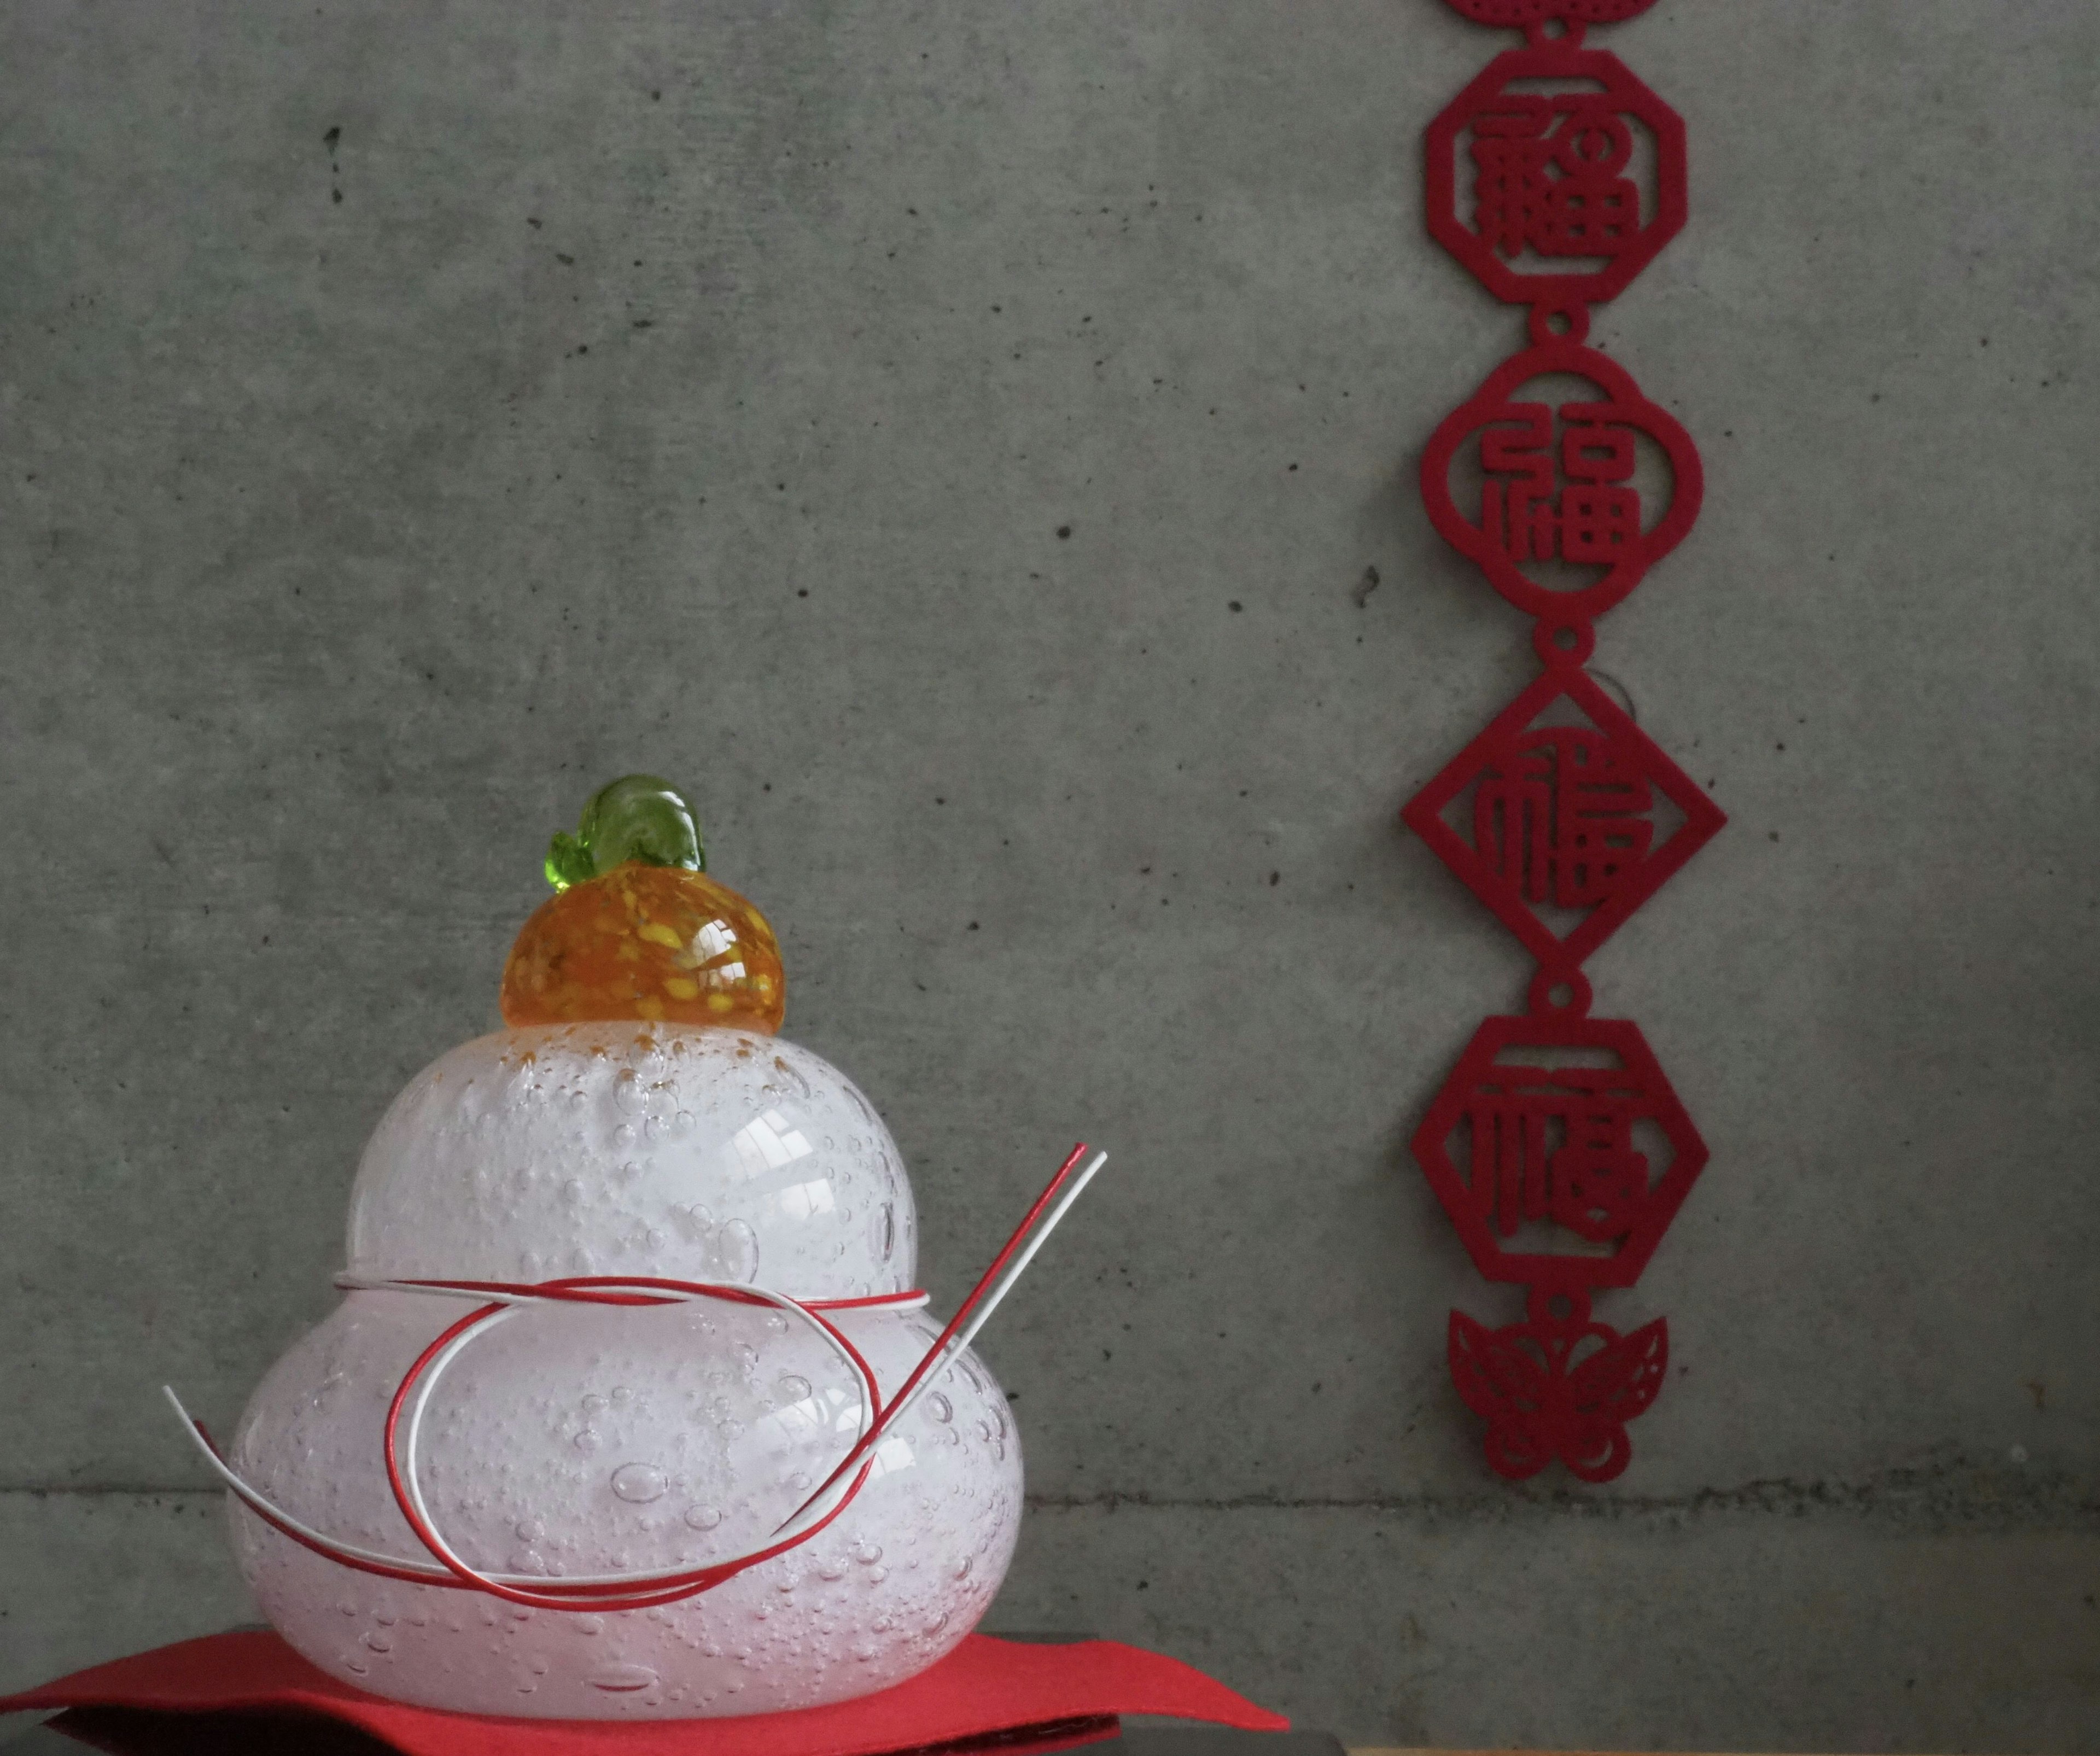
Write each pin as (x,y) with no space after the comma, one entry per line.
(677,1256)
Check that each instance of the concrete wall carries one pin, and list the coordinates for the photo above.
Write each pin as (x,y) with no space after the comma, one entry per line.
(951,437)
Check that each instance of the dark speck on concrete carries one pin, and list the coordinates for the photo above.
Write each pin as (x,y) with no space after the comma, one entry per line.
(331,138)
(1064,530)
(1275,879)
(533,222)
(1234,604)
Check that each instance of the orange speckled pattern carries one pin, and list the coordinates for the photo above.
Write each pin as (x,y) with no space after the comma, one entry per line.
(656,943)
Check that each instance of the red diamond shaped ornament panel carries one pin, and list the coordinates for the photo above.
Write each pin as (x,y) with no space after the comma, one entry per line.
(1563,817)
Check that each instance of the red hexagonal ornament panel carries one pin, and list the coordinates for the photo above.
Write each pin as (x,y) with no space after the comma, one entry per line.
(1557,1146)
(1560,1152)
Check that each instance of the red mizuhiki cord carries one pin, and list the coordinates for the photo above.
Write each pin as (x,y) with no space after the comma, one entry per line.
(645,1591)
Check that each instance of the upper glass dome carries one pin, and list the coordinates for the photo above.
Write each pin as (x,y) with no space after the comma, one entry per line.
(682,1151)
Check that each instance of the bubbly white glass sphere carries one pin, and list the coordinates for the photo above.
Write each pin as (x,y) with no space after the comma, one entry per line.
(572,1441)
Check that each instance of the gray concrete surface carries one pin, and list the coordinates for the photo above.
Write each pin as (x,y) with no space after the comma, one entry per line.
(711,389)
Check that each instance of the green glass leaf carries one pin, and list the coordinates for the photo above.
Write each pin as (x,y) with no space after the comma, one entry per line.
(568,862)
(637,817)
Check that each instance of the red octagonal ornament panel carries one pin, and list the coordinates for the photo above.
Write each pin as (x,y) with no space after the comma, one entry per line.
(1561,1153)
(1546,213)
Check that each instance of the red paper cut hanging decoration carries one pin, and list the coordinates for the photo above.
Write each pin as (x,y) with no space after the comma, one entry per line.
(1557,1146)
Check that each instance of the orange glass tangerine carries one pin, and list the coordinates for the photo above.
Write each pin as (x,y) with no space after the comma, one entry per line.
(656,943)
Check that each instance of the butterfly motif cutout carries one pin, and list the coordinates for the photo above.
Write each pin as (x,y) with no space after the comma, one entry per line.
(1558,1389)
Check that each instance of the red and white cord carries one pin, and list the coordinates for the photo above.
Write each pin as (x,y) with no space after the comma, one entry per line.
(498,1301)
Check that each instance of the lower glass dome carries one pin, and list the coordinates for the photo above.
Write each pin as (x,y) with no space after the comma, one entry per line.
(581,1441)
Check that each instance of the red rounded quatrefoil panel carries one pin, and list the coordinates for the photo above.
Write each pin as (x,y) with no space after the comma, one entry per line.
(1560,1130)
(1549,183)
(1562,838)
(1538,11)
(1557,484)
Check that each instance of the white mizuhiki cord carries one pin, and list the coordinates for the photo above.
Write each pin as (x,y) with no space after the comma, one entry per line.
(410,1478)
(421,1399)
(219,1468)
(820,1502)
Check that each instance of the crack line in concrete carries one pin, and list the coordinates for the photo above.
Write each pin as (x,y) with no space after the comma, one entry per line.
(1951,1494)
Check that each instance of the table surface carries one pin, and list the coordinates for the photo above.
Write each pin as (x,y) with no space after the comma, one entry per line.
(157,1735)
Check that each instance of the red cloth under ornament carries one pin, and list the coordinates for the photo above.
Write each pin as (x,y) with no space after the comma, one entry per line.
(983,1689)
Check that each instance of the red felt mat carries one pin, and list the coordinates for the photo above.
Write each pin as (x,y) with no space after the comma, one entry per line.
(984,1688)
